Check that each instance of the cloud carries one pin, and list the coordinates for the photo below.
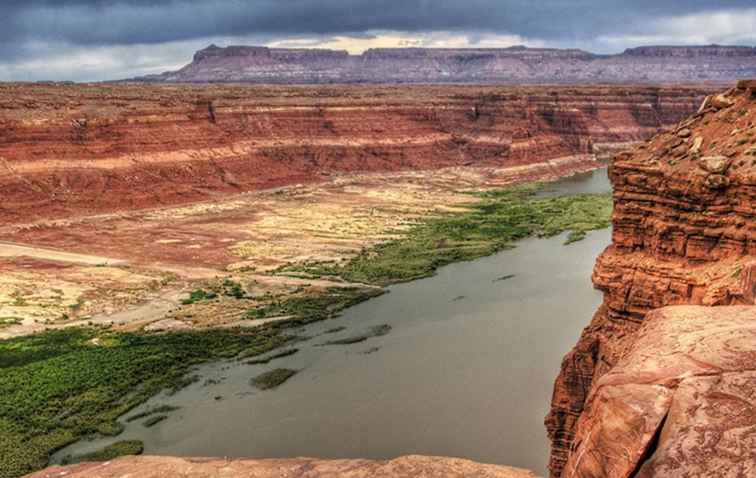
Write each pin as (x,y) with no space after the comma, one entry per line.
(356,44)
(734,27)
(98,39)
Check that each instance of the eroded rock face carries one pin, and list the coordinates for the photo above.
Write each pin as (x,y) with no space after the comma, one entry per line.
(405,467)
(516,64)
(87,149)
(681,402)
(684,233)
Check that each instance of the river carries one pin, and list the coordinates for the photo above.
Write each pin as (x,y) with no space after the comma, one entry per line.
(466,370)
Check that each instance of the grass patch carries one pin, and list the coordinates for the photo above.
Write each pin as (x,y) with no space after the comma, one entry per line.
(277,355)
(110,452)
(227,288)
(376,331)
(272,379)
(6,322)
(154,420)
(57,387)
(495,222)
(314,307)
(153,411)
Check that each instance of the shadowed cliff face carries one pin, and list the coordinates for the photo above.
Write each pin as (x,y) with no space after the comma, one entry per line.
(73,149)
(510,65)
(684,233)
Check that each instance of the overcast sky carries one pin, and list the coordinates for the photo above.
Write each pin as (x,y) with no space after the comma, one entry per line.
(110,39)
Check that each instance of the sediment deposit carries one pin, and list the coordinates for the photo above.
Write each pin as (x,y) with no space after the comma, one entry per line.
(68,150)
(426,65)
(684,233)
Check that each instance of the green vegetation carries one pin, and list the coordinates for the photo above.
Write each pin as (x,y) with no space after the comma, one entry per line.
(59,386)
(154,420)
(376,331)
(493,223)
(121,448)
(198,295)
(272,379)
(268,359)
(152,411)
(6,322)
(317,307)
(227,288)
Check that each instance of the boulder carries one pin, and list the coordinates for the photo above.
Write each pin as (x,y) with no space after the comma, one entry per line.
(720,102)
(697,143)
(717,181)
(714,164)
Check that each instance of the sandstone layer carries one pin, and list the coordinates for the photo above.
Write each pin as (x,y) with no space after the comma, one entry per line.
(405,467)
(511,65)
(680,403)
(69,150)
(684,233)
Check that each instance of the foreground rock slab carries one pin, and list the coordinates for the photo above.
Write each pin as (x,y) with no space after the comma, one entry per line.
(682,402)
(408,466)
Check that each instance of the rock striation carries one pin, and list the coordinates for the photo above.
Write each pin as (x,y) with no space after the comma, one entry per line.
(680,402)
(88,149)
(404,467)
(684,233)
(422,65)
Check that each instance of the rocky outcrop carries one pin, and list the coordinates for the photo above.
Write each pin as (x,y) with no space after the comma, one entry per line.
(684,233)
(87,149)
(681,402)
(511,65)
(405,467)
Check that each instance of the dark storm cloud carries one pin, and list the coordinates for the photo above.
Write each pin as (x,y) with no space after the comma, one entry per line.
(101,22)
(104,39)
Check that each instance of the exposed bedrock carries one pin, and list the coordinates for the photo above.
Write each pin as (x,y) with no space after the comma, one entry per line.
(684,233)
(83,149)
(434,65)
(680,403)
(404,467)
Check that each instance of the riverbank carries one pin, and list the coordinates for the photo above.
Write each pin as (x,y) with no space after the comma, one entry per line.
(63,385)
(131,269)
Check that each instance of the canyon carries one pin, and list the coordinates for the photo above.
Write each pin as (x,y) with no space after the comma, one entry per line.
(130,193)
(652,391)
(68,150)
(478,65)
(120,199)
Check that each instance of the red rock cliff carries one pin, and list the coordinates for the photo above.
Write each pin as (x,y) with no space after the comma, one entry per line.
(477,65)
(70,149)
(684,233)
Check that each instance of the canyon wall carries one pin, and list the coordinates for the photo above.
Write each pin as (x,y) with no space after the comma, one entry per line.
(84,149)
(670,393)
(437,65)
